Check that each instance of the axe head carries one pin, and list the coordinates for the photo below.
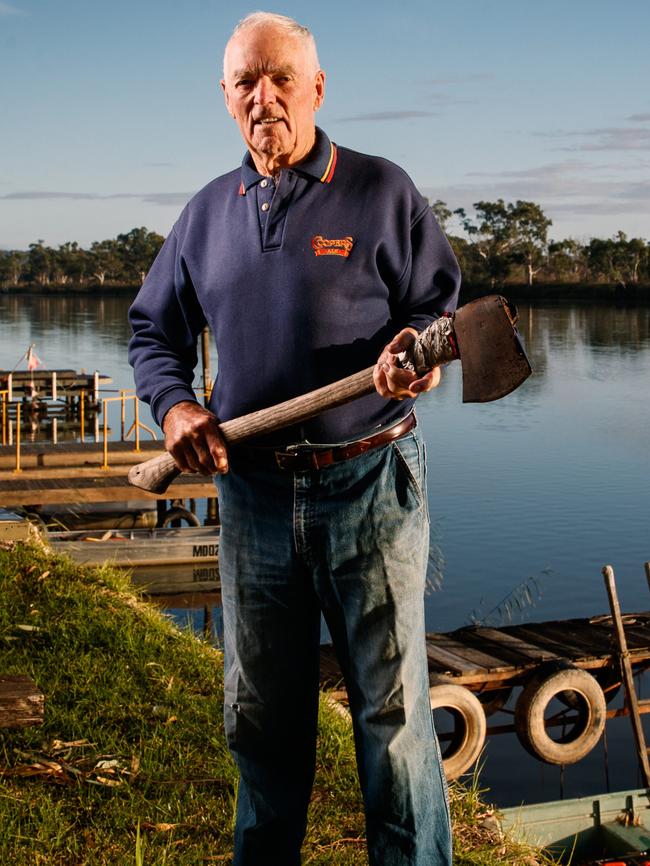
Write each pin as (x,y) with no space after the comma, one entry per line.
(493,359)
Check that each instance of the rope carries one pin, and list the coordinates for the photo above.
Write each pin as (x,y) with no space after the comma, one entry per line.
(434,346)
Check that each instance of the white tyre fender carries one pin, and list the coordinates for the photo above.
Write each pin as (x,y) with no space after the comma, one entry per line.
(179,513)
(468,735)
(585,726)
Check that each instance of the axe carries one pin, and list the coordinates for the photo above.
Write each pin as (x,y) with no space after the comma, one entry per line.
(482,334)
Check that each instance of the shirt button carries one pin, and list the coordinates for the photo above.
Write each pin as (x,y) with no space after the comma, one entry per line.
(265,206)
(264,183)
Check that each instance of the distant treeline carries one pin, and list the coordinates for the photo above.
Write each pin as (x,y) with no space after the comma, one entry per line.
(120,262)
(503,244)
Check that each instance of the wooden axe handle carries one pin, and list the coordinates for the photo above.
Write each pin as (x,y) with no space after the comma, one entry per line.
(157,474)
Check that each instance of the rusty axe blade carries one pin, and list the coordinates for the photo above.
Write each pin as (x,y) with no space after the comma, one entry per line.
(482,333)
(493,359)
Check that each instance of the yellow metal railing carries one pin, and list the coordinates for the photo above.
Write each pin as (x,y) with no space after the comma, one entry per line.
(5,399)
(124,397)
(6,396)
(136,426)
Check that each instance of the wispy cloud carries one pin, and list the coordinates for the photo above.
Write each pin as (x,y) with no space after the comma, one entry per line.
(564,188)
(40,195)
(603,138)
(8,9)
(386,116)
(159,164)
(640,118)
(549,170)
(161,198)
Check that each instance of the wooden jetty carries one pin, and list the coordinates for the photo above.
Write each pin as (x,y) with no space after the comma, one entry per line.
(53,384)
(72,473)
(567,670)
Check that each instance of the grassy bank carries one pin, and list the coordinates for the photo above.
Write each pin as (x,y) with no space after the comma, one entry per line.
(131,765)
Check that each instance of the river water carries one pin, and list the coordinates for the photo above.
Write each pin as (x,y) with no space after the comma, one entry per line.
(529,496)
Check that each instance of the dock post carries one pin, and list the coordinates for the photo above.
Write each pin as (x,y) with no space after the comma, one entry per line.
(54,388)
(105,463)
(96,385)
(82,414)
(205,354)
(55,431)
(136,414)
(10,387)
(4,417)
(212,517)
(626,671)
(122,414)
(18,409)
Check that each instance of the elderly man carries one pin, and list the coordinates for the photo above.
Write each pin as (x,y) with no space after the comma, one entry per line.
(308,262)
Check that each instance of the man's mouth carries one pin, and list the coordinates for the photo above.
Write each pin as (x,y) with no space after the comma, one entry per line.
(268,120)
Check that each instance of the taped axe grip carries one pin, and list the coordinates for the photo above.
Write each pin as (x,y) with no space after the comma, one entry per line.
(436,345)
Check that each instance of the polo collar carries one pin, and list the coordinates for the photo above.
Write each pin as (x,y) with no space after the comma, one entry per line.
(320,164)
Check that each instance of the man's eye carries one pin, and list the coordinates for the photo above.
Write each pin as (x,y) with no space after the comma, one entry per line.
(244,82)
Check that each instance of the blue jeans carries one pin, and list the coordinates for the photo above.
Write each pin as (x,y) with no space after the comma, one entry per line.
(350,540)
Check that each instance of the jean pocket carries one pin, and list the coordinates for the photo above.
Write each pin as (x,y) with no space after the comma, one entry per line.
(409,452)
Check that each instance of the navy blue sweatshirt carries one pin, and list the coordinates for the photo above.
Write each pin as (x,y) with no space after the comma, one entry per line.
(301,282)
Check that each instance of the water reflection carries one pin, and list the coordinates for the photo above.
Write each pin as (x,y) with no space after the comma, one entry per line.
(550,483)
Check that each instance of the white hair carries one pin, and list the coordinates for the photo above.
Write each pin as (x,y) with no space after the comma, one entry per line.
(287,25)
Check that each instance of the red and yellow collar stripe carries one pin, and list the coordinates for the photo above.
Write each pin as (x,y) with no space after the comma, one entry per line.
(328,174)
(326,177)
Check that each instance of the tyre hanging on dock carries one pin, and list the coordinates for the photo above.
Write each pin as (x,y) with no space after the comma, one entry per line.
(462,745)
(178,513)
(579,705)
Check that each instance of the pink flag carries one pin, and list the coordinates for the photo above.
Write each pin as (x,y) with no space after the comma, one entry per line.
(33,361)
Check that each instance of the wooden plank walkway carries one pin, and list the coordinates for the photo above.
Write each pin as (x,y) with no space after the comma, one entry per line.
(73,489)
(41,455)
(484,659)
(71,473)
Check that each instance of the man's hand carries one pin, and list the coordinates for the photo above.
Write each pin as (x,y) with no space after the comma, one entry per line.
(391,380)
(193,439)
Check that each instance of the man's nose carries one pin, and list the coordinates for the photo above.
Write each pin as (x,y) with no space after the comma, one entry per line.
(264,91)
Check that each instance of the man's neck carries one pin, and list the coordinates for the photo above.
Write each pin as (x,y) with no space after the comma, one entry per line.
(271,166)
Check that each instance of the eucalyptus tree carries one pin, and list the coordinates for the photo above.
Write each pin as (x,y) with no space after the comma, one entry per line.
(618,259)
(40,263)
(12,266)
(567,260)
(104,260)
(492,233)
(136,250)
(530,228)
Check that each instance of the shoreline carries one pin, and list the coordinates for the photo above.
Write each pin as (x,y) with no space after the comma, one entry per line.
(562,293)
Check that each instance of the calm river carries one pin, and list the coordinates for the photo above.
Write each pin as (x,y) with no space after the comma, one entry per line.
(529,496)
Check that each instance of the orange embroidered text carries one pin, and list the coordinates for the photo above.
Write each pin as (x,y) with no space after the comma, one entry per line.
(332,247)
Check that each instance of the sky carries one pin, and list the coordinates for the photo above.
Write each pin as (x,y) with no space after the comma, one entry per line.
(112,117)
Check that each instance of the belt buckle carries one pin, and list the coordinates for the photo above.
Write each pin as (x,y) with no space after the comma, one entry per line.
(281,458)
(285,458)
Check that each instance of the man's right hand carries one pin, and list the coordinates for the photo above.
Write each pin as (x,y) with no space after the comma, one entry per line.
(193,438)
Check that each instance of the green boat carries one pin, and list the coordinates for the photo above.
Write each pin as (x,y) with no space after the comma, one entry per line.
(603,829)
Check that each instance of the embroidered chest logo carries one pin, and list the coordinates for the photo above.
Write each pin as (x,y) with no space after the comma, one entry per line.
(332,246)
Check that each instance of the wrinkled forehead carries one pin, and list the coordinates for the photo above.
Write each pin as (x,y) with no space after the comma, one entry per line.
(265,49)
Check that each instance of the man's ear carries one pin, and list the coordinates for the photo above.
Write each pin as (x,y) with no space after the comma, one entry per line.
(226,98)
(319,84)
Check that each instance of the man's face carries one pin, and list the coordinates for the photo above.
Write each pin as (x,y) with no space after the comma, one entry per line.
(272,90)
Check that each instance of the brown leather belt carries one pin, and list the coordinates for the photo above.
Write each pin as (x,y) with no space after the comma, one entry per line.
(300,458)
